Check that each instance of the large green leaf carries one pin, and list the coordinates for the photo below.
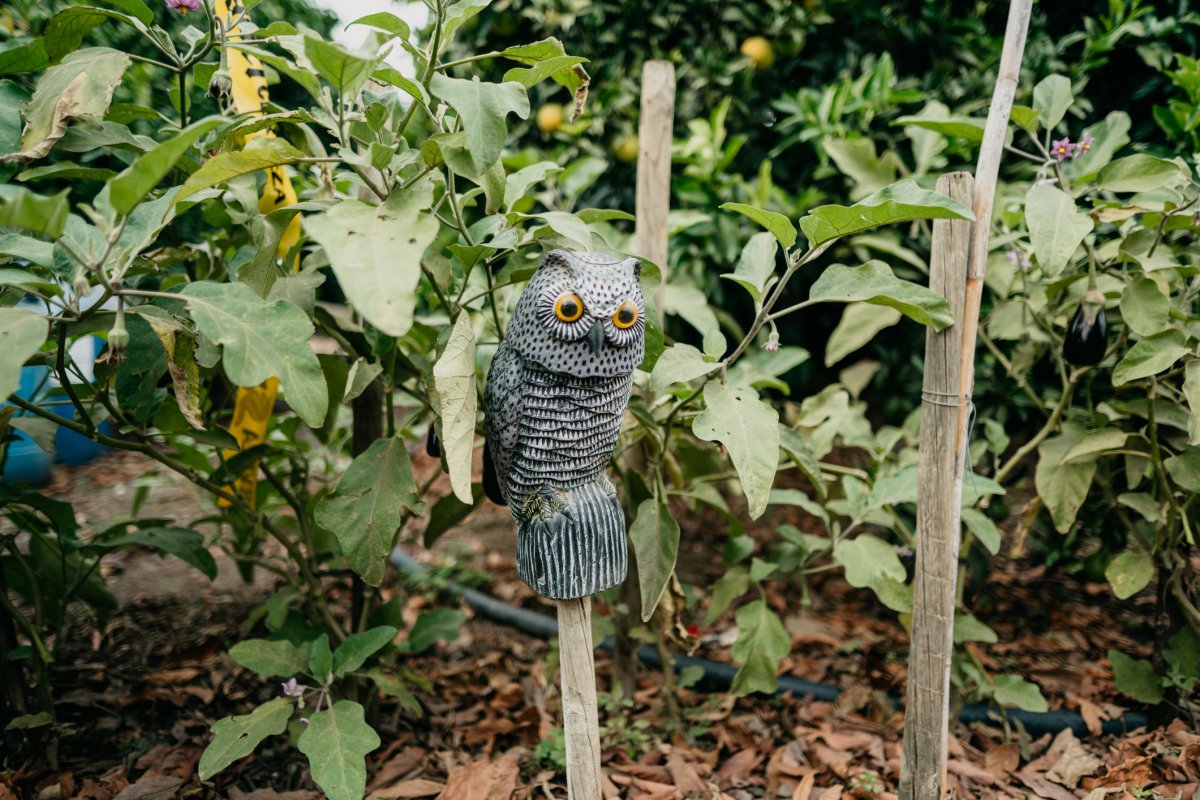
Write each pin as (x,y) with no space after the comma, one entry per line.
(1051,98)
(1063,486)
(358,647)
(1140,173)
(27,57)
(271,658)
(433,626)
(868,561)
(261,340)
(1144,307)
(368,506)
(236,737)
(546,59)
(81,85)
(454,399)
(261,153)
(1056,227)
(127,189)
(875,283)
(66,29)
(761,644)
(968,128)
(346,71)
(1136,677)
(336,742)
(376,253)
(482,108)
(776,224)
(749,429)
(756,266)
(858,325)
(679,363)
(186,545)
(21,334)
(1150,356)
(1184,469)
(901,202)
(21,208)
(655,537)
(1129,573)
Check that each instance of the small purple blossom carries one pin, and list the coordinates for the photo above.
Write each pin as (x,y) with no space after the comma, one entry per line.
(304,720)
(183,6)
(292,689)
(1062,148)
(902,551)
(1018,259)
(1083,145)
(772,343)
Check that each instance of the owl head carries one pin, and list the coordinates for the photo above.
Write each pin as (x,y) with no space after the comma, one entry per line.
(582,314)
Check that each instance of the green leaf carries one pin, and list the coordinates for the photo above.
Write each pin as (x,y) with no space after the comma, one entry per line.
(483,109)
(875,283)
(21,335)
(346,71)
(1056,227)
(136,9)
(761,644)
(1129,573)
(454,400)
(436,625)
(384,21)
(261,153)
(679,363)
(1109,136)
(868,561)
(732,585)
(1063,487)
(1013,690)
(1144,307)
(1140,173)
(655,537)
(548,59)
(127,189)
(376,253)
(749,429)
(80,85)
(777,225)
(368,505)
(858,326)
(237,737)
(756,266)
(271,658)
(901,202)
(320,659)
(1136,677)
(1184,469)
(66,29)
(1095,443)
(1150,356)
(969,629)
(261,340)
(397,79)
(1191,391)
(188,546)
(28,57)
(336,742)
(358,647)
(32,212)
(967,128)
(448,512)
(1051,99)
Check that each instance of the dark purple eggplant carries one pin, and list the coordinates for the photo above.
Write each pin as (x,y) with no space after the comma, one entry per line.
(433,445)
(1087,335)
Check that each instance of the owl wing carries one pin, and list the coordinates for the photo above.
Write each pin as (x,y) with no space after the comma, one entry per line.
(504,405)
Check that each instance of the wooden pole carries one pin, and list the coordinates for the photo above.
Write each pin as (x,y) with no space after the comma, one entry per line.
(654,168)
(581,721)
(927,710)
(923,766)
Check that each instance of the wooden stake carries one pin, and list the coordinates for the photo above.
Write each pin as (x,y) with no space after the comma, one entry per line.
(923,766)
(654,168)
(581,721)
(927,710)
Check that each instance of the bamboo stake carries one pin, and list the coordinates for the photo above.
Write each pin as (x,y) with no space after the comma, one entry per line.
(923,769)
(927,709)
(654,169)
(581,720)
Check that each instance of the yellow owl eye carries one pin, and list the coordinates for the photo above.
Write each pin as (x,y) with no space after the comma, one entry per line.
(568,307)
(626,315)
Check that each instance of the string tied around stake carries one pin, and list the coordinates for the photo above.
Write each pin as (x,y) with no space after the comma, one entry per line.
(960,401)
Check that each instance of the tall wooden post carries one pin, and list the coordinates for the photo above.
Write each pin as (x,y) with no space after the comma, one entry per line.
(654,168)
(581,720)
(927,723)
(927,711)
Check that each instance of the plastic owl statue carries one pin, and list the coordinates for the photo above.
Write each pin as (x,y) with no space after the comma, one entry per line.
(555,396)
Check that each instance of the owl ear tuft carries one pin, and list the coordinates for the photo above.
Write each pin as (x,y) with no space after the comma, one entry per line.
(637,267)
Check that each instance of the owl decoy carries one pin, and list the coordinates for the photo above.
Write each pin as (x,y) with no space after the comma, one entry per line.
(555,396)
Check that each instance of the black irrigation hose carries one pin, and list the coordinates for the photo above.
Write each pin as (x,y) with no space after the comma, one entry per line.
(718,676)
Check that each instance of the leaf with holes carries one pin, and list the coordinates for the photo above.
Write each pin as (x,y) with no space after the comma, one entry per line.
(236,737)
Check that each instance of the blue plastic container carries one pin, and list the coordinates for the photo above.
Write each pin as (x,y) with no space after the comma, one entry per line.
(26,461)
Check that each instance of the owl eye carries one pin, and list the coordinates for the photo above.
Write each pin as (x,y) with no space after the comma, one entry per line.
(568,307)
(626,315)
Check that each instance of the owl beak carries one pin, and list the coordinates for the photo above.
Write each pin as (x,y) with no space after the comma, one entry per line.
(595,337)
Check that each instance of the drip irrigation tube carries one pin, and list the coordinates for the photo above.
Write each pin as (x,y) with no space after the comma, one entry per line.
(718,676)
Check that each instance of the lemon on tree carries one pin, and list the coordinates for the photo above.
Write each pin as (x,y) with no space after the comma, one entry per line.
(626,149)
(550,118)
(760,52)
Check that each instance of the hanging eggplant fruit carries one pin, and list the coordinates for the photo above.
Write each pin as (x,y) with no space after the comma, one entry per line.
(433,445)
(1087,335)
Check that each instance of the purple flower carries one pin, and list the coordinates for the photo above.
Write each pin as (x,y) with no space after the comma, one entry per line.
(1062,149)
(304,720)
(183,6)
(772,343)
(293,689)
(1084,145)
(1018,259)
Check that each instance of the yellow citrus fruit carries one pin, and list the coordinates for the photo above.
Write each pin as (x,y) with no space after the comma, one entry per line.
(759,51)
(626,149)
(550,118)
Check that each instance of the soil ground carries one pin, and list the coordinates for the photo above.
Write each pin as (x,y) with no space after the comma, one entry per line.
(137,698)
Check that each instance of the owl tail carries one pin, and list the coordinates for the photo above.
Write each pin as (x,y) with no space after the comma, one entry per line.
(572,544)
